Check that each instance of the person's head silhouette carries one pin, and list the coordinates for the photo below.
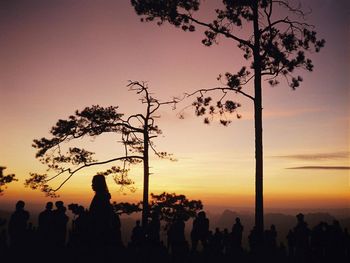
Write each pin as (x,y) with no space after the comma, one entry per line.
(20,205)
(49,205)
(201,215)
(59,204)
(300,217)
(99,184)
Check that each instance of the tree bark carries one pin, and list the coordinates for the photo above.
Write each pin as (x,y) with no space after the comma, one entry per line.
(259,204)
(145,206)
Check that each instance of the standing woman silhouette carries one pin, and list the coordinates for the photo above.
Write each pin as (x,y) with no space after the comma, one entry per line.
(104,223)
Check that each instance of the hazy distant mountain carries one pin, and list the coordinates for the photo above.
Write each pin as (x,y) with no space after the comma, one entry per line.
(226,219)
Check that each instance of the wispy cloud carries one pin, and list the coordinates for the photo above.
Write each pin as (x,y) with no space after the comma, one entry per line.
(316,156)
(320,168)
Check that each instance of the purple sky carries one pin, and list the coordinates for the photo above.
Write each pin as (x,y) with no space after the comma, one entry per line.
(59,56)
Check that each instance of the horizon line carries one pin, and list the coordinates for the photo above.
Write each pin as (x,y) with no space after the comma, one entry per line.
(320,168)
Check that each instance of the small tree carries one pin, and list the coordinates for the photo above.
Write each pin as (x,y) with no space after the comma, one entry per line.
(166,205)
(170,205)
(137,133)
(5,179)
(274,42)
(127,208)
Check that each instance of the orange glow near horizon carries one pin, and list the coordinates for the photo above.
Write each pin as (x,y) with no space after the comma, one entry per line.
(283,188)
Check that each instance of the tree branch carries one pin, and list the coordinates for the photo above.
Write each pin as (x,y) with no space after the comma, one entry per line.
(222,89)
(71,173)
(226,34)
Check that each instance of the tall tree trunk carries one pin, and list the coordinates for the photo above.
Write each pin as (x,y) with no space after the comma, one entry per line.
(145,207)
(259,203)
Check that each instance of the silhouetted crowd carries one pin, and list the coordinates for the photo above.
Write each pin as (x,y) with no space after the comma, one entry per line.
(95,235)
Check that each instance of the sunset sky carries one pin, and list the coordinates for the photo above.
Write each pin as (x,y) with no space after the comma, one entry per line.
(60,56)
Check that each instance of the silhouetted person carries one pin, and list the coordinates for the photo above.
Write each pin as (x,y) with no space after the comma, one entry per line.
(210,240)
(60,220)
(2,222)
(226,241)
(116,231)
(104,222)
(217,242)
(301,232)
(3,237)
(253,240)
(270,244)
(291,243)
(17,227)
(80,227)
(176,238)
(3,241)
(281,255)
(137,235)
(200,230)
(336,240)
(45,225)
(32,236)
(347,243)
(270,238)
(318,240)
(237,232)
(153,230)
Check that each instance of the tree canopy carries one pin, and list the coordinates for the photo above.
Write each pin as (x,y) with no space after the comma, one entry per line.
(91,122)
(280,42)
(136,133)
(5,179)
(170,205)
(274,37)
(167,206)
